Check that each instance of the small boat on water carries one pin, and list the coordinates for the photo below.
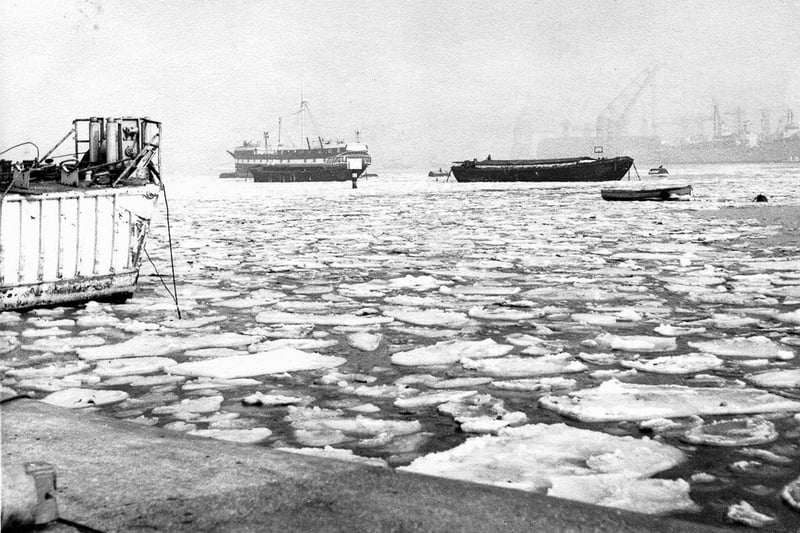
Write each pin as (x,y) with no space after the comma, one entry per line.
(658,193)
(567,169)
(438,173)
(74,230)
(658,171)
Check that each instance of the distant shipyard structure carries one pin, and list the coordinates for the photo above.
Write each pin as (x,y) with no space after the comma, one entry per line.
(728,141)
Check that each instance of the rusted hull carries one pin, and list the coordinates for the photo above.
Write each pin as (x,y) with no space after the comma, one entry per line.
(66,248)
(116,288)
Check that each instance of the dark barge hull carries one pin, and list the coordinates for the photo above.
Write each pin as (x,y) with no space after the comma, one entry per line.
(295,173)
(572,169)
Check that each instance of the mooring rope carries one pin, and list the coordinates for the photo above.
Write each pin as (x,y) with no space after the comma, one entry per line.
(171,259)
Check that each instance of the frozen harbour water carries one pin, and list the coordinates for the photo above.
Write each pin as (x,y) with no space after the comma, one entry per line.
(415,322)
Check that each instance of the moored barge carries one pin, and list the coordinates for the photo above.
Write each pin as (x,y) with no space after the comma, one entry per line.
(566,169)
(74,230)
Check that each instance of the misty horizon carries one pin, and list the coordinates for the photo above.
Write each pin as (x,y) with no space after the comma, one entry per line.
(424,84)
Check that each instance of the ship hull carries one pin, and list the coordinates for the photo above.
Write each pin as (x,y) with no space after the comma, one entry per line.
(67,248)
(557,170)
(303,173)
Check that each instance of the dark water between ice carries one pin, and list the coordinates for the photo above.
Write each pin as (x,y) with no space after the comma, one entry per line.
(328,249)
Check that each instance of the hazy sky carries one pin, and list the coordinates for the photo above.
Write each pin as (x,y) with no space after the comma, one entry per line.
(425,82)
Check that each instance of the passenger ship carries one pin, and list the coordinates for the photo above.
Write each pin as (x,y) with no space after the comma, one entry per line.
(321,159)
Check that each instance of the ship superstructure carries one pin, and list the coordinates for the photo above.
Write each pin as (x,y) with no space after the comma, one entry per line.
(320,159)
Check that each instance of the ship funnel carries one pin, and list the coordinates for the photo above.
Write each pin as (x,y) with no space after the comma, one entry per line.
(112,140)
(95,137)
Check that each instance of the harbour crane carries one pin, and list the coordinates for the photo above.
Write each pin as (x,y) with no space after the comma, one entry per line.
(613,121)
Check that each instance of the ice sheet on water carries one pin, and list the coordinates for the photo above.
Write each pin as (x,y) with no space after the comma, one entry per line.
(504,314)
(449,352)
(535,384)
(776,378)
(300,344)
(745,431)
(44,332)
(675,364)
(272,400)
(517,367)
(755,346)
(617,401)
(279,317)
(338,454)
(360,426)
(79,398)
(365,341)
(481,413)
(428,317)
(636,343)
(154,345)
(128,366)
(64,344)
(246,436)
(54,370)
(431,398)
(207,404)
(259,364)
(540,456)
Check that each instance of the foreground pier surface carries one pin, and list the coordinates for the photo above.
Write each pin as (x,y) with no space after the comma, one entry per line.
(114,475)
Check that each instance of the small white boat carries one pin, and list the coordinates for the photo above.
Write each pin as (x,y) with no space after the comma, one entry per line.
(75,231)
(651,192)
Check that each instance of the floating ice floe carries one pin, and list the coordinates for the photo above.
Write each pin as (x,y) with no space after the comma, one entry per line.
(525,366)
(535,384)
(595,319)
(756,346)
(360,426)
(300,344)
(449,352)
(674,331)
(133,365)
(503,314)
(246,436)
(431,398)
(338,454)
(207,404)
(202,383)
(430,333)
(45,332)
(746,431)
(191,323)
(154,345)
(636,343)
(675,364)
(776,378)
(214,352)
(79,398)
(791,494)
(272,362)
(416,283)
(365,341)
(64,344)
(272,400)
(429,317)
(481,413)
(55,370)
(70,381)
(8,344)
(279,317)
(744,513)
(458,383)
(617,401)
(567,462)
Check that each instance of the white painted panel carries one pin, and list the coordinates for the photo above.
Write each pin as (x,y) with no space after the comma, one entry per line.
(105,226)
(49,245)
(69,240)
(29,241)
(86,220)
(122,239)
(10,240)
